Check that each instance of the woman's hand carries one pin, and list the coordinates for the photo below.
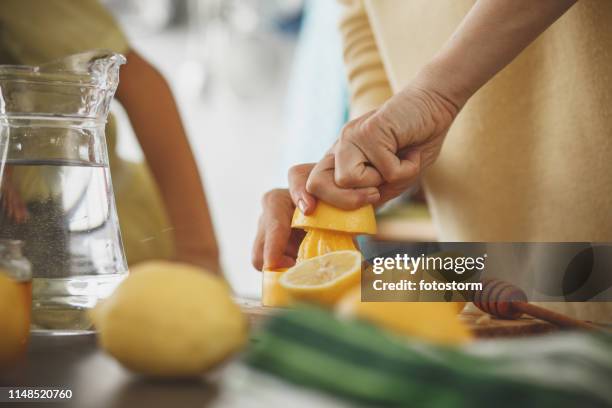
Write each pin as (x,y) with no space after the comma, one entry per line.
(11,202)
(383,152)
(276,243)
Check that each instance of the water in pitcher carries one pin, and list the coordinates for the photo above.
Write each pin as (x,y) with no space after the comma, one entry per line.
(55,189)
(63,211)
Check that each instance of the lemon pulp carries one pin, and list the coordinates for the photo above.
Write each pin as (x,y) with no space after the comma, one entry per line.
(320,242)
(325,278)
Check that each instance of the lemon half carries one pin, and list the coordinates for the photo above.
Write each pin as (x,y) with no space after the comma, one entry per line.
(323,279)
(272,293)
(328,217)
(435,322)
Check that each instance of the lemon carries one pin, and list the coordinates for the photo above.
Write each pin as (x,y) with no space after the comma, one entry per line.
(323,279)
(328,230)
(435,322)
(325,216)
(170,320)
(273,294)
(320,242)
(15,305)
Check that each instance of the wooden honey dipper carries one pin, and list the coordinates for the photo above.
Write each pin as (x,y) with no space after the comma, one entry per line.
(502,299)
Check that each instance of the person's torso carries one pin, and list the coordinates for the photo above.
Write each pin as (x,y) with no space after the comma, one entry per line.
(530,156)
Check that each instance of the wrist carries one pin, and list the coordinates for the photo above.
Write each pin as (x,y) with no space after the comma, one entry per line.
(441,78)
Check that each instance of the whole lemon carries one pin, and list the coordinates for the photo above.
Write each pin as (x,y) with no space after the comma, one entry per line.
(170,320)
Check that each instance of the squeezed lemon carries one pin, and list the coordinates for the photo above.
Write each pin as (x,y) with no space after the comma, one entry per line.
(323,279)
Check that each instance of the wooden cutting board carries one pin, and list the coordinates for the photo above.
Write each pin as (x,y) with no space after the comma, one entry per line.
(481,324)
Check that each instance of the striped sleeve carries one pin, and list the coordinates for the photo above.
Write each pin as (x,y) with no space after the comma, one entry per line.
(368,83)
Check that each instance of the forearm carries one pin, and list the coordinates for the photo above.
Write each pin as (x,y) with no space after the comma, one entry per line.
(389,148)
(155,119)
(492,34)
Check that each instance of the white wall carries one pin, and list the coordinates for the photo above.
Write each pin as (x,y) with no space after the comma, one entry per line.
(238,141)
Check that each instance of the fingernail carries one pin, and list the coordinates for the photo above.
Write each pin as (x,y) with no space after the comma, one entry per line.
(302,206)
(373,198)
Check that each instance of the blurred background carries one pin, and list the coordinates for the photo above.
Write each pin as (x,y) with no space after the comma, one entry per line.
(260,86)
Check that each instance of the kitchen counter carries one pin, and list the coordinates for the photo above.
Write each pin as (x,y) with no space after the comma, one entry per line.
(76,363)
(97,380)
(482,325)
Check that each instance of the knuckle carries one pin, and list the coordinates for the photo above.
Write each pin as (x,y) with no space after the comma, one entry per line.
(298,169)
(271,196)
(352,123)
(313,185)
(294,170)
(346,179)
(347,132)
(393,175)
(370,127)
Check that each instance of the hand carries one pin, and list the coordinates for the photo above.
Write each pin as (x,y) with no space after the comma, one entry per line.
(12,204)
(276,243)
(385,149)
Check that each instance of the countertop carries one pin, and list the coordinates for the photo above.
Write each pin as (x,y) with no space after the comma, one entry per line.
(97,380)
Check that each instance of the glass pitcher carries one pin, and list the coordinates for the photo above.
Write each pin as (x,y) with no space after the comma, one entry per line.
(55,187)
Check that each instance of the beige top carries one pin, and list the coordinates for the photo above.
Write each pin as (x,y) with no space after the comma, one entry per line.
(530,156)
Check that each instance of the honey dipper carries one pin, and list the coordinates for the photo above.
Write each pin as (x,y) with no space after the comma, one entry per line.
(504,300)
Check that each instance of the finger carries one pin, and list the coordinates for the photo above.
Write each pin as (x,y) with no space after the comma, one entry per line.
(285,261)
(322,185)
(293,246)
(276,206)
(3,200)
(21,211)
(291,250)
(352,168)
(275,242)
(257,258)
(11,206)
(389,191)
(298,176)
(397,168)
(276,227)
